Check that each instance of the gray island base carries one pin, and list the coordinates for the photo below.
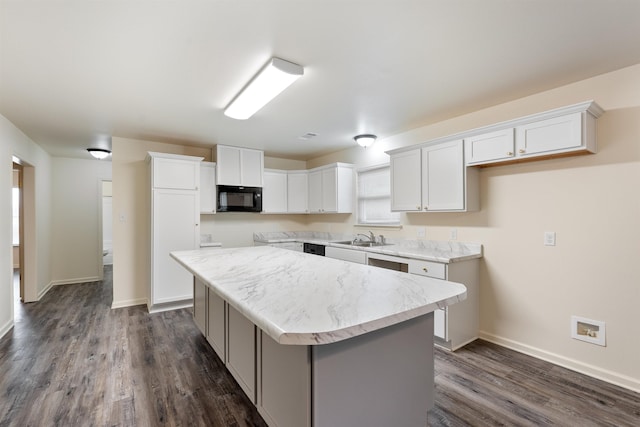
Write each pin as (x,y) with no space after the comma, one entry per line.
(320,342)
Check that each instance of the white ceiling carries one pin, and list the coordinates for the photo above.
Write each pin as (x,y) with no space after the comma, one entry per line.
(72,72)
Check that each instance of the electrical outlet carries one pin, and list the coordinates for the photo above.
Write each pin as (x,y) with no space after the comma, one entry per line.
(453,234)
(422,232)
(549,238)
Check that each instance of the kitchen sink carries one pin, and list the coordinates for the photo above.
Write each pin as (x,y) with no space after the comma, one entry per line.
(362,244)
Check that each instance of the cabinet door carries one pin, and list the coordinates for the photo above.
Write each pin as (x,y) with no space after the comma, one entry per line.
(406,181)
(330,190)
(344,189)
(175,173)
(490,147)
(284,393)
(200,305)
(241,351)
(443,175)
(228,165)
(251,167)
(297,190)
(315,191)
(274,192)
(207,188)
(547,136)
(216,330)
(175,227)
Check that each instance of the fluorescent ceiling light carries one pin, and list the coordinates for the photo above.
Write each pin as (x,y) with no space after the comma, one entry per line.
(99,153)
(272,79)
(366,140)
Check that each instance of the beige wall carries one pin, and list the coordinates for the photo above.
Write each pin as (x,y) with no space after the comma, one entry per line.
(76,212)
(529,291)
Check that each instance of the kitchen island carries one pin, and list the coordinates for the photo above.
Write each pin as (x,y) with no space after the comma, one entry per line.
(321,342)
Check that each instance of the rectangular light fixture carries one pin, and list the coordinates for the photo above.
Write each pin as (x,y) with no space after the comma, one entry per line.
(272,79)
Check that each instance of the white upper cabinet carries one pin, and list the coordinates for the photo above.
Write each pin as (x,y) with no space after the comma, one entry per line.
(239,166)
(207,188)
(443,177)
(174,171)
(406,193)
(491,146)
(331,189)
(297,191)
(564,131)
(274,192)
(548,136)
(433,178)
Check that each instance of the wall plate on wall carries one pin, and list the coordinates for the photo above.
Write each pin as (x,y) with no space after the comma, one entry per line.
(591,331)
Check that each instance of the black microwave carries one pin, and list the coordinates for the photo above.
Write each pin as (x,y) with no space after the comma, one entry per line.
(233,198)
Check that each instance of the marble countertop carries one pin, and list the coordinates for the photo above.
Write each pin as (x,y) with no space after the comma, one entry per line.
(426,250)
(304,299)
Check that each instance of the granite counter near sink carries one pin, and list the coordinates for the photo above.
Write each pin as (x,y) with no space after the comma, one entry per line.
(427,250)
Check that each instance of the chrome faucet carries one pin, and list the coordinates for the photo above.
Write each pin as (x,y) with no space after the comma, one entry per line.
(370,238)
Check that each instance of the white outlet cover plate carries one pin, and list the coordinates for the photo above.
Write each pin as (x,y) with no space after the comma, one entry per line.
(549,238)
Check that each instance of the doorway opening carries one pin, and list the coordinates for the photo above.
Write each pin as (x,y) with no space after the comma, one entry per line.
(24,241)
(107,224)
(17,235)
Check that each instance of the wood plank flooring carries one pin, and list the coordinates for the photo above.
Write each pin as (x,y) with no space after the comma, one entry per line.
(72,361)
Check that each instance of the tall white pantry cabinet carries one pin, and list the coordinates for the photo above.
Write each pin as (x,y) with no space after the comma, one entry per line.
(175,225)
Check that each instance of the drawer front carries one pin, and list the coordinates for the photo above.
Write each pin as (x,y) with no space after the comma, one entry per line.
(350,255)
(428,268)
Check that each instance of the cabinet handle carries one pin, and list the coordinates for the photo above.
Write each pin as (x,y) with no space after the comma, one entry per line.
(425,269)
(418,207)
(426,208)
(521,151)
(509,153)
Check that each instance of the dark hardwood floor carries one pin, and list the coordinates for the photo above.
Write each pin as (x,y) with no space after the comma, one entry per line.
(72,361)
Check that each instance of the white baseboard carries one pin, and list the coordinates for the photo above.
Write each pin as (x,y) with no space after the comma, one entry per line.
(44,291)
(176,305)
(573,364)
(6,328)
(128,303)
(76,281)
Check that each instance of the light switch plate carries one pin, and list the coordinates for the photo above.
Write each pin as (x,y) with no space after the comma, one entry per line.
(549,238)
(422,232)
(453,234)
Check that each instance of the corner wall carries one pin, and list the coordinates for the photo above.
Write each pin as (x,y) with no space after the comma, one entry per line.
(529,291)
(14,142)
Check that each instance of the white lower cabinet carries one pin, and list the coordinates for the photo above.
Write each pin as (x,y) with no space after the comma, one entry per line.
(241,351)
(457,324)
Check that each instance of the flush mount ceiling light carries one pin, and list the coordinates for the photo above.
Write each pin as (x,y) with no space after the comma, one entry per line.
(99,153)
(365,140)
(272,79)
